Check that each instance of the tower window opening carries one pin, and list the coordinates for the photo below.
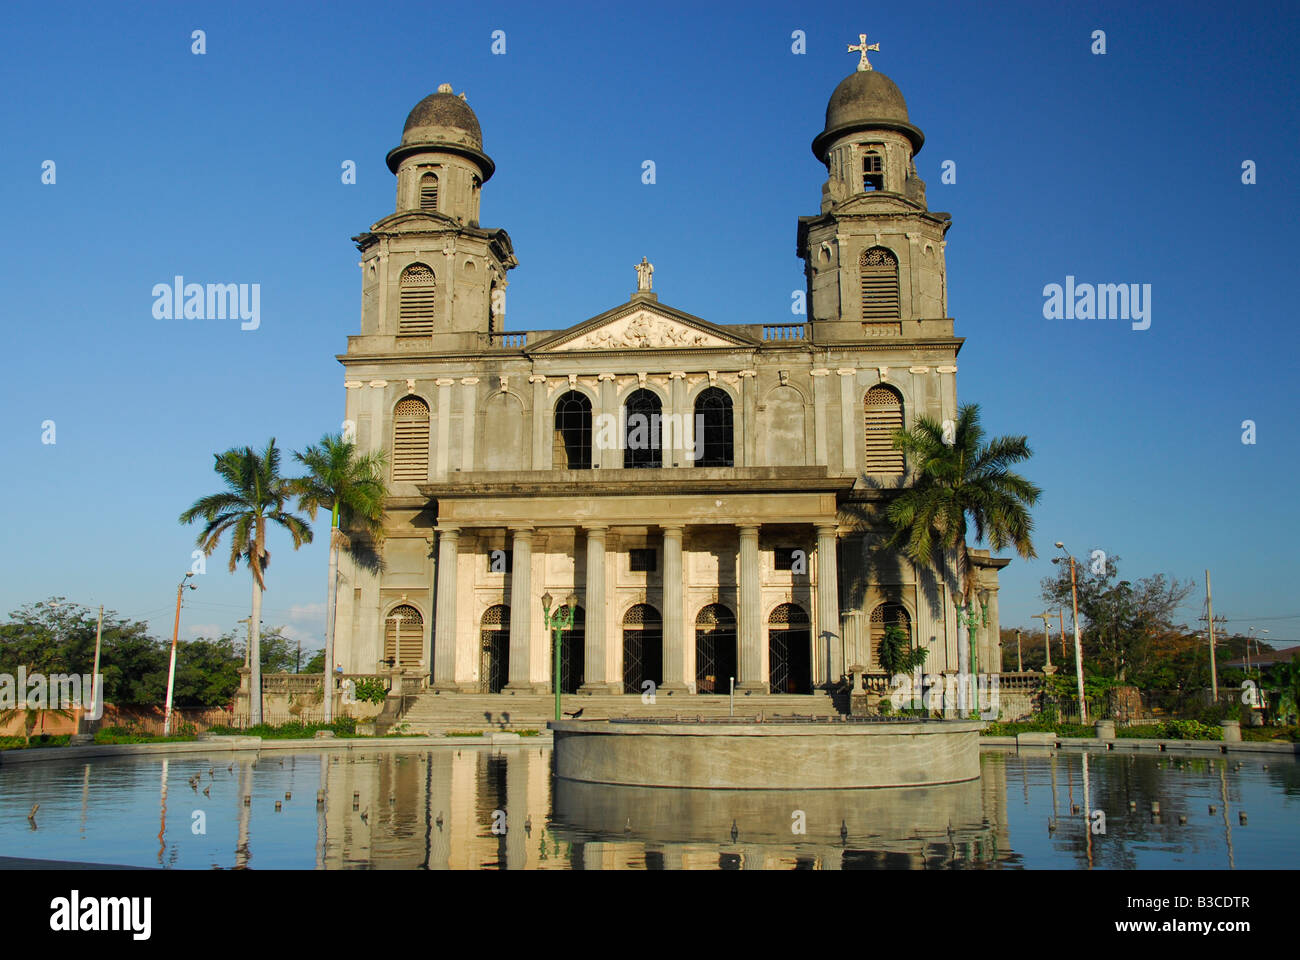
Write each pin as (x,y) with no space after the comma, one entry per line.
(429,192)
(878,275)
(873,172)
(417,303)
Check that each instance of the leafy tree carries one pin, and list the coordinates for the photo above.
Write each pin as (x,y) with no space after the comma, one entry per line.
(896,652)
(1122,623)
(959,485)
(255,497)
(351,486)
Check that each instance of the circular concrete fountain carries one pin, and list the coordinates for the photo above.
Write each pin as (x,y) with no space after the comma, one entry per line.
(769,755)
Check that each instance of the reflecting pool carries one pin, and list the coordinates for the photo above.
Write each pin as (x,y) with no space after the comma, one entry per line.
(499,808)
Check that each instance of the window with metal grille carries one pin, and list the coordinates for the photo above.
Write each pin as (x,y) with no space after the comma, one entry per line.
(643,647)
(572,444)
(789,652)
(494,649)
(411,440)
(416,302)
(883,412)
(429,191)
(873,172)
(878,274)
(783,558)
(713,418)
(403,636)
(642,559)
(642,446)
(888,615)
(715,649)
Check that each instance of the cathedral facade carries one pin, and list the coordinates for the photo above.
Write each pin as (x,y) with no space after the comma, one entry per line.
(705,497)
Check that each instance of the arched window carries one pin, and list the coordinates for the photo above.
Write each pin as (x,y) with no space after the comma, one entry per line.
(789,639)
(873,171)
(416,306)
(571,449)
(643,647)
(642,444)
(429,192)
(411,440)
(888,615)
(715,649)
(494,649)
(713,429)
(878,274)
(883,411)
(403,636)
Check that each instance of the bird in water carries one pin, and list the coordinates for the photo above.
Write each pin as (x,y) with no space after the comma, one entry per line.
(627,827)
(209,773)
(31,817)
(844,832)
(528,825)
(365,815)
(438,820)
(735,832)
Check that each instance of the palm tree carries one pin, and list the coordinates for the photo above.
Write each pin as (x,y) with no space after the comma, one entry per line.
(255,497)
(351,486)
(959,484)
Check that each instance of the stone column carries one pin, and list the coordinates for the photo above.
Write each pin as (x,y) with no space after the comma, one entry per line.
(521,611)
(752,679)
(830,655)
(674,641)
(595,653)
(444,624)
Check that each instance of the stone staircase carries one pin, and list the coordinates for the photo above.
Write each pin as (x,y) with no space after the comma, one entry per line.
(432,713)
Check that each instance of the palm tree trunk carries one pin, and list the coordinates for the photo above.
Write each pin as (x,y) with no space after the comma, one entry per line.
(255,657)
(331,605)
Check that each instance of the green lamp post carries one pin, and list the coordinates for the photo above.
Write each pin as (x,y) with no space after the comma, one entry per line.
(558,622)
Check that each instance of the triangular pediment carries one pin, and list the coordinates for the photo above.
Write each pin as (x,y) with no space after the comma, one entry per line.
(649,326)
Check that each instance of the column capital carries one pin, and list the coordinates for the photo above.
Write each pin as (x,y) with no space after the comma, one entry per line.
(595,528)
(448,530)
(748,529)
(673,529)
(829,528)
(522,531)
(445,381)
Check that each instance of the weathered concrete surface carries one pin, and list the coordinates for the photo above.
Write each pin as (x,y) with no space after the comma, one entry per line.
(655,815)
(767,756)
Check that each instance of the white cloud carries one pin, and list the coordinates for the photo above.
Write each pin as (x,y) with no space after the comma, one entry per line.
(209,631)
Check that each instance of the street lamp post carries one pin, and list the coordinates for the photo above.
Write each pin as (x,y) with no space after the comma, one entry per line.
(558,622)
(171,669)
(1078,644)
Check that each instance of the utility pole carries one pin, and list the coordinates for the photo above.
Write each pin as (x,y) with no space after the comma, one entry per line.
(1020,667)
(1214,674)
(171,669)
(1047,640)
(95,692)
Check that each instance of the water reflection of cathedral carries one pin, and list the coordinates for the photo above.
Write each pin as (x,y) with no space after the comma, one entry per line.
(473,808)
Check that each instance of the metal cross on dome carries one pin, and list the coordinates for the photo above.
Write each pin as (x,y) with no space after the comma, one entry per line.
(862,47)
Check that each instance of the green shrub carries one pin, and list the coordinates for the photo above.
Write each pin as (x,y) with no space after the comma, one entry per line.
(371,690)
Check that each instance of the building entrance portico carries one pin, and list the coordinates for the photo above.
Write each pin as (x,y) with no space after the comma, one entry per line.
(659,586)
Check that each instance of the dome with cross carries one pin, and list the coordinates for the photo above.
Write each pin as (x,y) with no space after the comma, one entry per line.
(866,100)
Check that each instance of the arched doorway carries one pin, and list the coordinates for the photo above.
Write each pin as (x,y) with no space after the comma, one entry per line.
(715,649)
(643,647)
(572,650)
(789,650)
(403,637)
(494,649)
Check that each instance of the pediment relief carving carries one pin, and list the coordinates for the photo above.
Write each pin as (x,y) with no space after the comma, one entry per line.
(643,329)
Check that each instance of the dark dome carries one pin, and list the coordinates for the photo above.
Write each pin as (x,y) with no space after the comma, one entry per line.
(442,121)
(441,118)
(866,99)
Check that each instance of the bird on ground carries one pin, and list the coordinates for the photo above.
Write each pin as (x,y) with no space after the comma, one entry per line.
(735,832)
(627,827)
(576,713)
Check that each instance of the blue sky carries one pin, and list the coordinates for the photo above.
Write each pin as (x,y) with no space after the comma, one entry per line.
(225,167)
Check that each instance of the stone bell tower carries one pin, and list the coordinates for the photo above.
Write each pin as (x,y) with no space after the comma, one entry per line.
(432,278)
(874,257)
